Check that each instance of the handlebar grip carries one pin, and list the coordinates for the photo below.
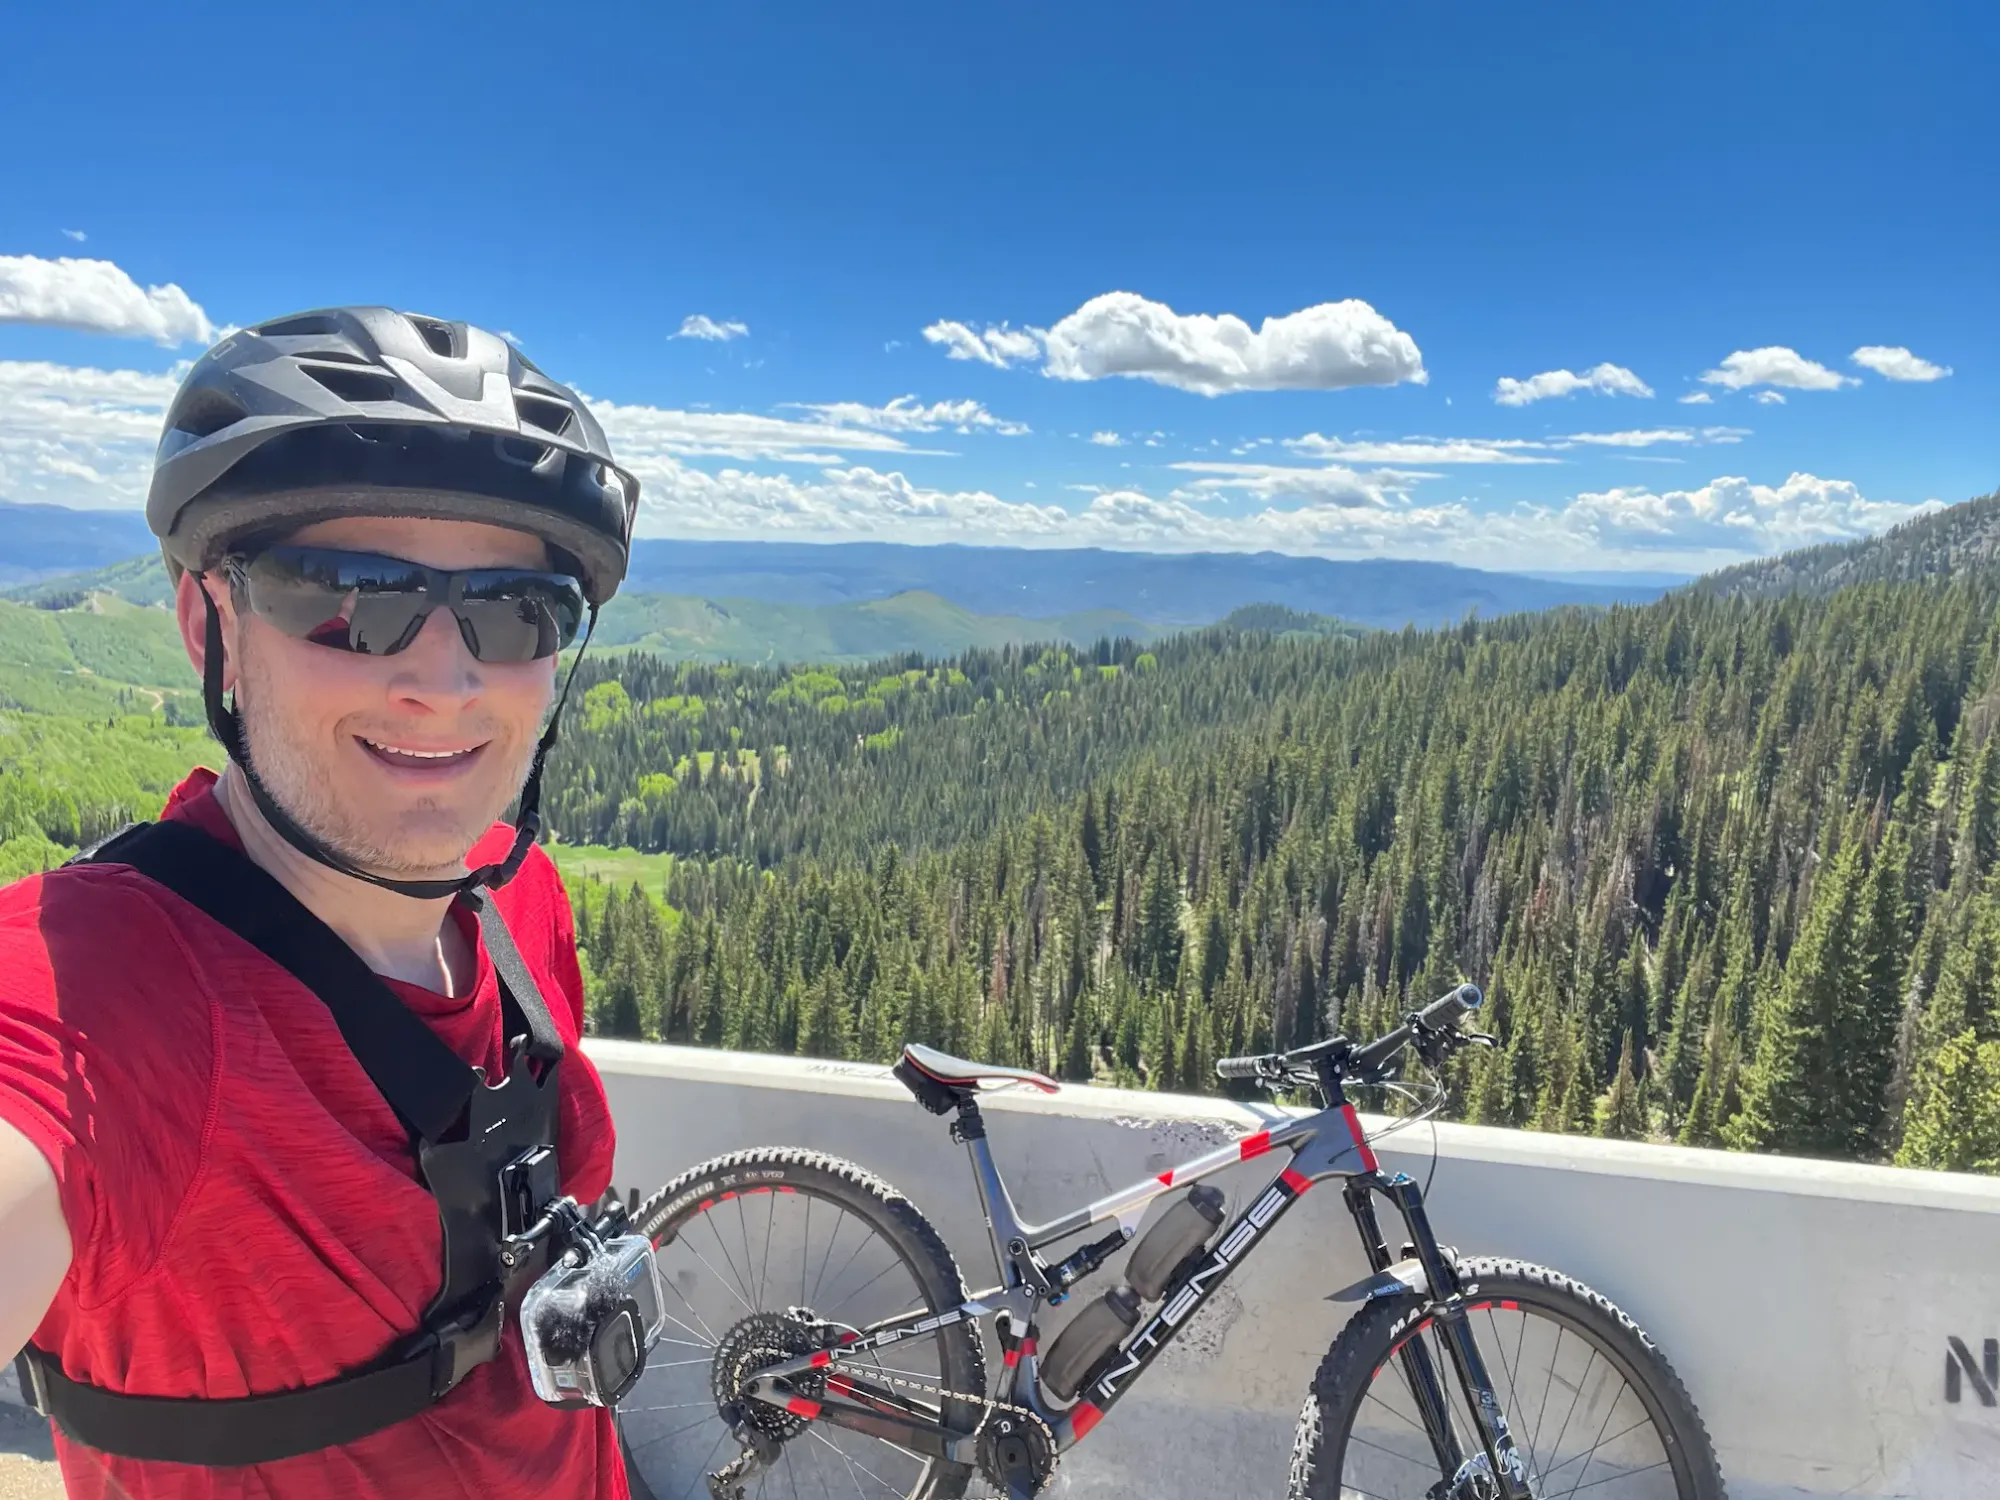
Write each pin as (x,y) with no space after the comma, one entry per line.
(1238,1067)
(1439,1012)
(1461,1000)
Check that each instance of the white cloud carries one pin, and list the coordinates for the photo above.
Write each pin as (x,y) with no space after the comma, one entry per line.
(1775,365)
(1421,450)
(75,234)
(95,296)
(1450,450)
(1328,347)
(701,326)
(1733,515)
(999,346)
(1107,440)
(1697,398)
(647,432)
(73,435)
(907,414)
(1333,484)
(1769,398)
(1312,512)
(1892,362)
(1604,380)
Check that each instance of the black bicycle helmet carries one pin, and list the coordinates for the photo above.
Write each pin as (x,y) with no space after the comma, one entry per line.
(366,411)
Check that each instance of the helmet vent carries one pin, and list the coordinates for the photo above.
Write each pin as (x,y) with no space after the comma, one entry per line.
(352,382)
(521,451)
(310,323)
(439,335)
(548,416)
(206,413)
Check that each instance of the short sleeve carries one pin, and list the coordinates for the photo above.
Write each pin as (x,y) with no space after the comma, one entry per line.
(106,1063)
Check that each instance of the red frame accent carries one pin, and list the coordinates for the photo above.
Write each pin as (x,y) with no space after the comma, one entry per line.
(1360,1138)
(1082,1418)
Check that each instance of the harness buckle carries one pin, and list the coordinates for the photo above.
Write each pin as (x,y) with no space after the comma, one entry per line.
(466,1341)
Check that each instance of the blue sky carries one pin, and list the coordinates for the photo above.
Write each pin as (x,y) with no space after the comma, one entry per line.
(1429,200)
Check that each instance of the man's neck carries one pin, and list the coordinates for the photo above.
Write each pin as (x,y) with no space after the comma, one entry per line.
(395,935)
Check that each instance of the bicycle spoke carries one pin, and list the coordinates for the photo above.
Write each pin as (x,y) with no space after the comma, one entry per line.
(730,1261)
(831,1241)
(1589,1455)
(1387,1451)
(1614,1478)
(1576,1396)
(701,1469)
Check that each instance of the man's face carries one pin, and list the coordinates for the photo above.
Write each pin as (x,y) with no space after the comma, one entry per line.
(331,733)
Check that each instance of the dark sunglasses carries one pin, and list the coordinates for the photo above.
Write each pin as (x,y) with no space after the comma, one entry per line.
(357,601)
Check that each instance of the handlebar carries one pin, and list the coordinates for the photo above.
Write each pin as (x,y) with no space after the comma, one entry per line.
(1371,1059)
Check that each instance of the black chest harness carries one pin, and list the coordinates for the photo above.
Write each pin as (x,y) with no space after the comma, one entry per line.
(487,1155)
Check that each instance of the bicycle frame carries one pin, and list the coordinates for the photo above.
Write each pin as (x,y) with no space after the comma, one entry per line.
(1327,1144)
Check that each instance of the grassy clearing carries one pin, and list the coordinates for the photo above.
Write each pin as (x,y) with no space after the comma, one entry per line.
(613,866)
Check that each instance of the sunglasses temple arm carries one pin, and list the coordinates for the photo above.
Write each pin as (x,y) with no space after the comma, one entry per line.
(528,830)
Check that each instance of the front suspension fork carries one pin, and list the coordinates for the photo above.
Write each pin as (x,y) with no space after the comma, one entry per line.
(1448,1310)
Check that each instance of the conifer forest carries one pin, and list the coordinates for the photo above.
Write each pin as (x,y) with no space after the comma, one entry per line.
(1724,864)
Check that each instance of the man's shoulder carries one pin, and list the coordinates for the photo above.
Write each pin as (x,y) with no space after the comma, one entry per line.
(80,941)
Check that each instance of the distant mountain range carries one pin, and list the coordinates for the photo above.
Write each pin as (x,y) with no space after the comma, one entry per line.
(1950,540)
(43,543)
(40,541)
(1175,590)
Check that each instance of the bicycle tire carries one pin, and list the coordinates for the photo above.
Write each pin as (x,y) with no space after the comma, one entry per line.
(887,1214)
(1383,1326)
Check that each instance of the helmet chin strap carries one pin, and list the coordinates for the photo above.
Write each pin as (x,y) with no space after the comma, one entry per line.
(227,726)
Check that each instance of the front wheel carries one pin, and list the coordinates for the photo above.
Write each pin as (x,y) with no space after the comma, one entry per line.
(1593,1406)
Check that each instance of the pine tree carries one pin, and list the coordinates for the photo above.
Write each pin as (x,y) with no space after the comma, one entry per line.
(1713,1105)
(1954,1122)
(1796,1098)
(1621,1112)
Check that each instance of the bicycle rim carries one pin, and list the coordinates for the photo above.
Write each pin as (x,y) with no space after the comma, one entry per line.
(1584,1420)
(759,1255)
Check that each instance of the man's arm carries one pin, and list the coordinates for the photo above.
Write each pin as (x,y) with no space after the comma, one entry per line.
(34,1240)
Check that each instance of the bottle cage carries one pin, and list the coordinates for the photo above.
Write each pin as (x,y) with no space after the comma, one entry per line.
(462,1132)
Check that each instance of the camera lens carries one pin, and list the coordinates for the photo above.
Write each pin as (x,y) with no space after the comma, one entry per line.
(618,1353)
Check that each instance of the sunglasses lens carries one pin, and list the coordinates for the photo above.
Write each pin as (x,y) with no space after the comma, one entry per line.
(354,601)
(350,601)
(517,617)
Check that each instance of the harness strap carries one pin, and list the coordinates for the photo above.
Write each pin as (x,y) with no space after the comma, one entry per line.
(428,1086)
(226,1433)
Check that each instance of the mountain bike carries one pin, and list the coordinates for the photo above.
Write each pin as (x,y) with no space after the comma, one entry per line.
(822,1340)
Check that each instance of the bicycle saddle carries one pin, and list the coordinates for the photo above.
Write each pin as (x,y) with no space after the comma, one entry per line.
(956,1072)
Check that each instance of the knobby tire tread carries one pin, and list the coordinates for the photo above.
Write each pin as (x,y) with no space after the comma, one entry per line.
(889,1213)
(1344,1375)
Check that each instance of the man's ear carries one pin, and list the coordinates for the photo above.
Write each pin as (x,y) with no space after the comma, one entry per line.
(191,614)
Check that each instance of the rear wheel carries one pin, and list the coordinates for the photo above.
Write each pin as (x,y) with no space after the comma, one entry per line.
(753,1248)
(1593,1406)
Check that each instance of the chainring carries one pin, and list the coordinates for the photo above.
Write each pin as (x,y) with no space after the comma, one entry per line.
(1006,1441)
(751,1346)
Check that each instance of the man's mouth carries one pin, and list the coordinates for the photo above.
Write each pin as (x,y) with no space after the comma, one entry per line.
(419,757)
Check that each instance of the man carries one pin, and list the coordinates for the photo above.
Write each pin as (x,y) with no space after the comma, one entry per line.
(213,1185)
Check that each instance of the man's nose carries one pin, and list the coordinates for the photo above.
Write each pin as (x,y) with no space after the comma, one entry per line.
(437,668)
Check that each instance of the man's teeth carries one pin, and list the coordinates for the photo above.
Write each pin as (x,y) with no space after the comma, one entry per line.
(414,754)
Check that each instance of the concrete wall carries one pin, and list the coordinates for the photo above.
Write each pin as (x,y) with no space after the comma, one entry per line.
(1806,1305)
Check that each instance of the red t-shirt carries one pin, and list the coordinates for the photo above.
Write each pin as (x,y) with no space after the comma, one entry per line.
(243,1205)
